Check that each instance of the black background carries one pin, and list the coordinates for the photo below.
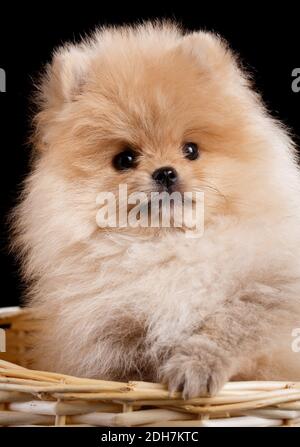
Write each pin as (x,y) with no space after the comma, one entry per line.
(268,43)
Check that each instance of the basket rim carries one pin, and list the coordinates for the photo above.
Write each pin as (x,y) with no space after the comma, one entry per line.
(133,403)
(11,311)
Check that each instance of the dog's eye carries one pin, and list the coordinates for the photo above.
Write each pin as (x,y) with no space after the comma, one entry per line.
(190,151)
(126,159)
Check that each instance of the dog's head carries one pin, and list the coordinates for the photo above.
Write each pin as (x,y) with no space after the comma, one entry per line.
(157,109)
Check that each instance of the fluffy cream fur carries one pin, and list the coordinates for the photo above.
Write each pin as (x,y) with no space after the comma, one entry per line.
(133,304)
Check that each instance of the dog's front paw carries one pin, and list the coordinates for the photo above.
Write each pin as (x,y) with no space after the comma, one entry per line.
(195,370)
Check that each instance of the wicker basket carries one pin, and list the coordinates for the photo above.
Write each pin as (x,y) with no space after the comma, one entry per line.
(32,398)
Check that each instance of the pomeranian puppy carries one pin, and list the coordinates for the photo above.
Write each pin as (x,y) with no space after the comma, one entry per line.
(155,108)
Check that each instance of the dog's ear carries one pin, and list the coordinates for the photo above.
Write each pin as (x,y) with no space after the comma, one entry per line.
(60,84)
(65,76)
(211,52)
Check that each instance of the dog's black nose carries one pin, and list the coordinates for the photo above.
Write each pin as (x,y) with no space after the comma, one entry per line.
(165,176)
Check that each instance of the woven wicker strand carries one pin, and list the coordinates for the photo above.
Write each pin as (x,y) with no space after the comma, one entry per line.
(40,398)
